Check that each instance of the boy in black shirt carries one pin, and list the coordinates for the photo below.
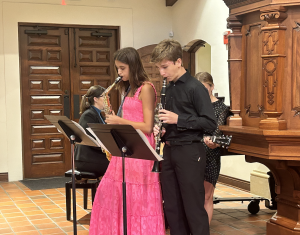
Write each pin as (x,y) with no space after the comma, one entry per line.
(188,112)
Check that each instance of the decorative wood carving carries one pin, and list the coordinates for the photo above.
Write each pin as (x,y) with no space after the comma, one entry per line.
(296,72)
(273,59)
(258,113)
(235,69)
(252,76)
(275,140)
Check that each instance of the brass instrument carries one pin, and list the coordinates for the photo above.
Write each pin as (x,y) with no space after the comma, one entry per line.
(107,107)
(159,106)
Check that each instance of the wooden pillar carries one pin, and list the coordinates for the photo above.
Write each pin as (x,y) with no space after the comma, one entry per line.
(235,69)
(273,63)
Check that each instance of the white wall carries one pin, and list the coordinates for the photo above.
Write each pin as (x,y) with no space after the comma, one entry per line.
(203,60)
(236,166)
(142,23)
(205,20)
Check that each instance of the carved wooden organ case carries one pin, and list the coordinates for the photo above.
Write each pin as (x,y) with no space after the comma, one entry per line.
(264,76)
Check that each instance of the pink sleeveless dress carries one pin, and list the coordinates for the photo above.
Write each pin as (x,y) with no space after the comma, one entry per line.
(143,192)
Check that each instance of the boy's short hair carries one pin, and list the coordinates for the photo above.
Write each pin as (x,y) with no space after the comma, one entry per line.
(167,49)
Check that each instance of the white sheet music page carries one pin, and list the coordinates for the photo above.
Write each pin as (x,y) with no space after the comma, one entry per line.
(83,130)
(100,144)
(142,135)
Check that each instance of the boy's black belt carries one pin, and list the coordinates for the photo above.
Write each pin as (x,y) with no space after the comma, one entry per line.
(181,142)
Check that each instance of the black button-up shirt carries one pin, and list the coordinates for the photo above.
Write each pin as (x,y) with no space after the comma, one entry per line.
(188,98)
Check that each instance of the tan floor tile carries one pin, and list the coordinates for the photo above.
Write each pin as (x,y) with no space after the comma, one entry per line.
(24,228)
(29,233)
(17,214)
(34,208)
(35,217)
(41,221)
(49,203)
(5,199)
(64,223)
(19,223)
(46,226)
(40,212)
(50,191)
(51,231)
(34,193)
(38,197)
(48,207)
(15,219)
(70,228)
(51,211)
(59,219)
(5,230)
(253,230)
(4,225)
(8,211)
(26,205)
(25,201)
(258,223)
(41,200)
(54,215)
(18,199)
(5,204)
(20,194)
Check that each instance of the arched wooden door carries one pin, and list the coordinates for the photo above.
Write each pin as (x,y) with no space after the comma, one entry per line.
(151,70)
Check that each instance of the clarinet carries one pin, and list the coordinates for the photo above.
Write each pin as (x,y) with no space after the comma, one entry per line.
(160,106)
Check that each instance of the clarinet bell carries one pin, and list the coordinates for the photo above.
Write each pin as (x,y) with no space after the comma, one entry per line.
(156,167)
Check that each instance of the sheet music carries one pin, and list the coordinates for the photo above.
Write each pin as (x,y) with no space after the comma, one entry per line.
(83,130)
(144,138)
(100,144)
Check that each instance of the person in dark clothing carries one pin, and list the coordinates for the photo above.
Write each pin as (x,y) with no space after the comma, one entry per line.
(87,158)
(187,114)
(213,151)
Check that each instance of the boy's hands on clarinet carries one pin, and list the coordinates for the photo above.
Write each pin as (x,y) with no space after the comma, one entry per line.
(168,117)
(156,130)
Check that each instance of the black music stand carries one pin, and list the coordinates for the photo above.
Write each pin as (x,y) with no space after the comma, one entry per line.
(124,141)
(75,135)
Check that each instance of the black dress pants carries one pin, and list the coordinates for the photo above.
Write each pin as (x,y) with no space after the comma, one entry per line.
(182,179)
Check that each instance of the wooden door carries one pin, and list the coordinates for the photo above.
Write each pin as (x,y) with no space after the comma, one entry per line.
(58,65)
(91,60)
(151,70)
(44,81)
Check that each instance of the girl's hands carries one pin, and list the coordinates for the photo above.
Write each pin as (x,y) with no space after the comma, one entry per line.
(113,119)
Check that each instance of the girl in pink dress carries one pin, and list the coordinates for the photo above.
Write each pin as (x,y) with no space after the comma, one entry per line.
(143,192)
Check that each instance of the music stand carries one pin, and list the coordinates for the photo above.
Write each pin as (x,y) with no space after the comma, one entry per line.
(124,141)
(75,135)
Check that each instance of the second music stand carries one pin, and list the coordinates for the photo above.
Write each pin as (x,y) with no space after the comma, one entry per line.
(124,141)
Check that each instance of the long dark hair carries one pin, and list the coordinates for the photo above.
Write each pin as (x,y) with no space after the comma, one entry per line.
(138,75)
(88,98)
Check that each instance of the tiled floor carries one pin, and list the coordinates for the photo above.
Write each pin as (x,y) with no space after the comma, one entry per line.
(23,211)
